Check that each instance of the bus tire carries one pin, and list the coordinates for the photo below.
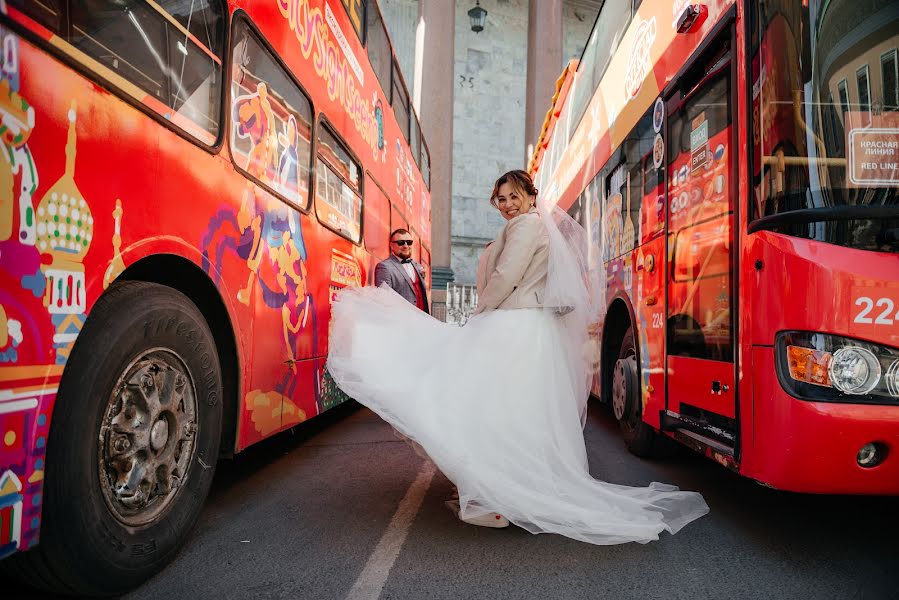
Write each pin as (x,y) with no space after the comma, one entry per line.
(132,446)
(627,404)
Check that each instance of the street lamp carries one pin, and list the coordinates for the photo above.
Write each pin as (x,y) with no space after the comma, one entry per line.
(478,16)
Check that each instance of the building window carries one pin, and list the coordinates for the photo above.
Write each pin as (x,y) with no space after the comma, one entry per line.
(271,120)
(889,80)
(843,90)
(338,186)
(833,128)
(864,88)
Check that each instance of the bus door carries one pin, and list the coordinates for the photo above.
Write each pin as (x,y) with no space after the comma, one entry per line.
(701,195)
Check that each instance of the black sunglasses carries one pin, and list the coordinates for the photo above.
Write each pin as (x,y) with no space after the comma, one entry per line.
(403,242)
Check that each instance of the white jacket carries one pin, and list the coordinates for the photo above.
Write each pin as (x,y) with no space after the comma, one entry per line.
(512,268)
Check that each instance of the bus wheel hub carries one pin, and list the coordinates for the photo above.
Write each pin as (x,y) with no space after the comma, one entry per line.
(159,434)
(619,389)
(147,437)
(623,377)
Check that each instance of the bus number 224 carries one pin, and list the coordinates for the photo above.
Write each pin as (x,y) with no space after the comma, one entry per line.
(886,316)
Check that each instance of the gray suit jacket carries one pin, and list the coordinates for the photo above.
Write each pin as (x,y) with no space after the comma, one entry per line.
(392,273)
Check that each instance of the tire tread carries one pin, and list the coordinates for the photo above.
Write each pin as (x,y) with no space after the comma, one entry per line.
(41,567)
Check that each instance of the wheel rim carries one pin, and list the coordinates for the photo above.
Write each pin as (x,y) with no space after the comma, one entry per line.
(147,437)
(619,389)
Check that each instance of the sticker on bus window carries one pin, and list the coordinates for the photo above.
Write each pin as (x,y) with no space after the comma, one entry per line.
(658,151)
(699,143)
(658,115)
(872,142)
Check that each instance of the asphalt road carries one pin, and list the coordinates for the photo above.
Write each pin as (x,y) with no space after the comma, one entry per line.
(302,516)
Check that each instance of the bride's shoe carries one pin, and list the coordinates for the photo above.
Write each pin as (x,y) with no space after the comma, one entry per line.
(453,505)
(495,520)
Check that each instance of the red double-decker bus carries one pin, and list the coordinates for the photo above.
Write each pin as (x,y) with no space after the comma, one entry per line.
(736,164)
(183,188)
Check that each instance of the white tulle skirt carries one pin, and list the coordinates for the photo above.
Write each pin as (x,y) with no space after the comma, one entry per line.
(492,404)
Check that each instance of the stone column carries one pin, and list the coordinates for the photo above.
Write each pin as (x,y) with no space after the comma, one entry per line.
(433,100)
(544,66)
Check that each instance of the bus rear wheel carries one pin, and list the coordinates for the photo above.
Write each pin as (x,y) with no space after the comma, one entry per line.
(133,443)
(627,404)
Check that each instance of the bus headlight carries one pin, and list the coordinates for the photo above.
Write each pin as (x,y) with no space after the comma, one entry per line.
(892,379)
(854,370)
(818,366)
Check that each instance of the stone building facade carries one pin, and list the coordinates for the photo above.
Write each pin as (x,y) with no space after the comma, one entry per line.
(490,82)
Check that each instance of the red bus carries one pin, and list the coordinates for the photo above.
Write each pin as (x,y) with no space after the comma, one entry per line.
(183,188)
(736,164)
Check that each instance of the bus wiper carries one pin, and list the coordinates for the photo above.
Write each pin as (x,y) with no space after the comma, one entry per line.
(826,213)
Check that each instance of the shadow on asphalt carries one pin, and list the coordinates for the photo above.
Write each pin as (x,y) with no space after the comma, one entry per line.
(820,525)
(229,471)
(814,525)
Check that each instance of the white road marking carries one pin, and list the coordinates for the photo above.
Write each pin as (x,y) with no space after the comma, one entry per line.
(374,575)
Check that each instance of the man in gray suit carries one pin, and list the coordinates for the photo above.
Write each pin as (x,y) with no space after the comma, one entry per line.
(404,275)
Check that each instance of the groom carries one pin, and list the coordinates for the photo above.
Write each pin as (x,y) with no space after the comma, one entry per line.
(401,273)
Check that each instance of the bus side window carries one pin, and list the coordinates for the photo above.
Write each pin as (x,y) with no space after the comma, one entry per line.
(171,50)
(415,142)
(425,163)
(271,120)
(48,13)
(376,220)
(378,45)
(611,24)
(355,10)
(400,100)
(338,186)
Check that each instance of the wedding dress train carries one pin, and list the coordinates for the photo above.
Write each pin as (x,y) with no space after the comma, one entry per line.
(497,406)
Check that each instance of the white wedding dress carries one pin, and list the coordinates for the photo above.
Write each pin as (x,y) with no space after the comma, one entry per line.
(499,406)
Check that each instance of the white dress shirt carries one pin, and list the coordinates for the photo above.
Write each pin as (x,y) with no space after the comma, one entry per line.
(410,271)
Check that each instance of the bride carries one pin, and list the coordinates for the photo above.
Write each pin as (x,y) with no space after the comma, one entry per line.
(499,405)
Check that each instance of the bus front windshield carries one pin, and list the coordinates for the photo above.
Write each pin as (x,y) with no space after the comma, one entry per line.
(825,120)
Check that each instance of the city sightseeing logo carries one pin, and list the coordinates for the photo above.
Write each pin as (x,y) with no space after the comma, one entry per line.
(639,63)
(333,62)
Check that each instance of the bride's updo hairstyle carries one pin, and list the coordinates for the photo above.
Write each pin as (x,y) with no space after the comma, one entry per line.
(520,182)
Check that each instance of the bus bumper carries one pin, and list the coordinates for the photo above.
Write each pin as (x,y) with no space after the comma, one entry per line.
(812,447)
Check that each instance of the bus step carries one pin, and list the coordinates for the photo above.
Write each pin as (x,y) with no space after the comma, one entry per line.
(713,437)
(707,441)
